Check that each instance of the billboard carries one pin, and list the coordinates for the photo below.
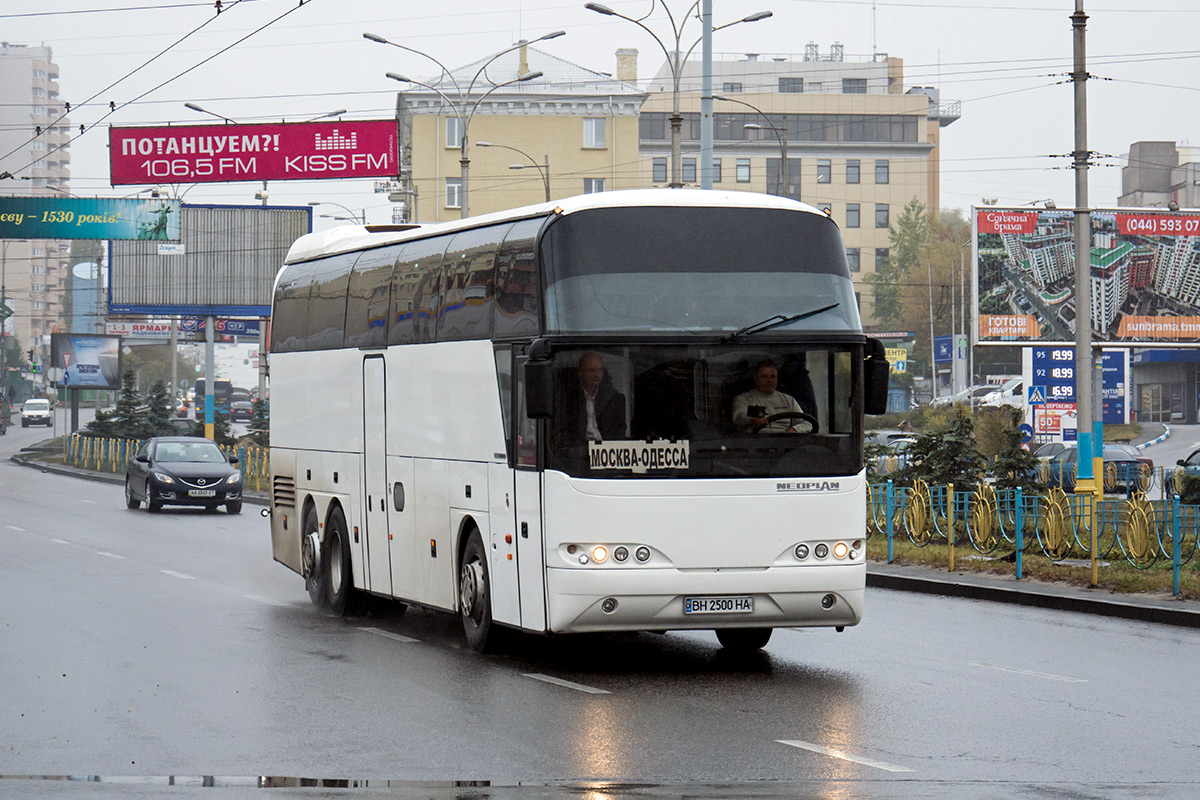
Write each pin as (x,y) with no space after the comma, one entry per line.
(227,268)
(86,360)
(150,219)
(268,152)
(1144,268)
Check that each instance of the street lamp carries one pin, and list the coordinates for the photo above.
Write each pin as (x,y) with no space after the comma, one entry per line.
(460,108)
(780,134)
(675,60)
(198,109)
(356,217)
(545,173)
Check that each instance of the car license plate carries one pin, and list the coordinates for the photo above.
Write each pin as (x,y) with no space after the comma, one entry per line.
(741,604)
(202,493)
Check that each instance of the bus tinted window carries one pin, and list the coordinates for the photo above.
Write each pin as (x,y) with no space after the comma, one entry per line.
(517,291)
(684,269)
(327,302)
(289,313)
(469,290)
(369,298)
(415,291)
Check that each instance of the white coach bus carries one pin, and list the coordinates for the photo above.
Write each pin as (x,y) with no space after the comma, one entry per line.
(528,418)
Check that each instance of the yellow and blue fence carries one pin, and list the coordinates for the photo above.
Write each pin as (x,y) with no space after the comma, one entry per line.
(111,455)
(1055,524)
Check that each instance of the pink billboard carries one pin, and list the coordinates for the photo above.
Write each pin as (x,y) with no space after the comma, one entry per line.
(269,152)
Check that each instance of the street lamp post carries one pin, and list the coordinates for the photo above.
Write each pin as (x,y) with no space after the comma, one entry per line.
(360,216)
(780,134)
(460,107)
(545,173)
(675,61)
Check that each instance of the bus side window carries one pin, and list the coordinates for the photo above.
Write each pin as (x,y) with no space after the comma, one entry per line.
(288,316)
(517,289)
(469,289)
(368,298)
(504,380)
(419,260)
(326,321)
(527,429)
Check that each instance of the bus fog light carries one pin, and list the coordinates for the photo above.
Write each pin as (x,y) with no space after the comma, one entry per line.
(621,554)
(821,550)
(583,559)
(840,550)
(642,554)
(828,601)
(599,554)
(801,551)
(609,605)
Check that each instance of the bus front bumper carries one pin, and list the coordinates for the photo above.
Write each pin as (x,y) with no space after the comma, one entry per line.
(584,600)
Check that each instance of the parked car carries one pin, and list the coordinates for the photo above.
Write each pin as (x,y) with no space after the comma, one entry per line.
(36,412)
(1012,393)
(241,411)
(1128,462)
(183,471)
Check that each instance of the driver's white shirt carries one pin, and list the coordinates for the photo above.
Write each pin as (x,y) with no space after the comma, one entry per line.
(774,403)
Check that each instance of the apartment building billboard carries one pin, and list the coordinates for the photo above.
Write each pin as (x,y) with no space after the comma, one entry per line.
(1144,267)
(269,152)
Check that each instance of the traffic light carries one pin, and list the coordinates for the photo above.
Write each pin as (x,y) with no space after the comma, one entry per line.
(30,354)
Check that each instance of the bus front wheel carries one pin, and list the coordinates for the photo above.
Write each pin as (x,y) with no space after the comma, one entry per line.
(474,597)
(743,640)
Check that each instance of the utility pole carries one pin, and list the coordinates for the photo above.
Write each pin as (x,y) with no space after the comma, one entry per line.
(1088,480)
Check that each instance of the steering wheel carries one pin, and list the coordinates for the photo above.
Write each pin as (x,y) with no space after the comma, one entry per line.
(792,416)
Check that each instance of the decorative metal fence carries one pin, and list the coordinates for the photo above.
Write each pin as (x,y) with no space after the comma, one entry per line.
(111,455)
(1055,524)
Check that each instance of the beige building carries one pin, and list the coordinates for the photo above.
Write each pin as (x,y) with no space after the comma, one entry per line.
(570,131)
(34,159)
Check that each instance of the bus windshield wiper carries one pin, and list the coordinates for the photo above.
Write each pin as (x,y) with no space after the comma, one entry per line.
(775,321)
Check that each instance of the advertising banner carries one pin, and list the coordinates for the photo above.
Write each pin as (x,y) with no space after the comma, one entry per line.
(87,360)
(268,152)
(222,327)
(150,219)
(1143,264)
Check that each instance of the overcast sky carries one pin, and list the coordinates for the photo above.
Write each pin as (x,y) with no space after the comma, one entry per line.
(1006,60)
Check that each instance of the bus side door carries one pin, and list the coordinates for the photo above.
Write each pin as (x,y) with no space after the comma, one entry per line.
(375,477)
(527,493)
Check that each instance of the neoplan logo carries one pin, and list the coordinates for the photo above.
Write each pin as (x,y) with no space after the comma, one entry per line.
(808,486)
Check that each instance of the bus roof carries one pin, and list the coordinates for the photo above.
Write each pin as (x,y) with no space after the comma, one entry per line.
(347,238)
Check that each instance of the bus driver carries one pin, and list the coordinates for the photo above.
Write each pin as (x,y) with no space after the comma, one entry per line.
(752,410)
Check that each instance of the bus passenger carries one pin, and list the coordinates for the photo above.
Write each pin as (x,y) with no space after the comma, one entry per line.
(752,410)
(593,410)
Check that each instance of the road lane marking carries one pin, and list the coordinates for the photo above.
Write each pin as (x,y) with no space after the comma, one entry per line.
(259,598)
(15,528)
(1048,676)
(60,541)
(827,751)
(579,687)
(175,574)
(89,502)
(389,635)
(108,555)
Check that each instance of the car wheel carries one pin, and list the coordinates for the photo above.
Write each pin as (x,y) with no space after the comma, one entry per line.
(311,551)
(211,508)
(130,500)
(153,506)
(339,580)
(235,507)
(474,595)
(743,640)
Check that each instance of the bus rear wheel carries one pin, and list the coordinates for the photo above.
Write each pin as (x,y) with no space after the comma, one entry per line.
(474,595)
(314,565)
(743,640)
(339,580)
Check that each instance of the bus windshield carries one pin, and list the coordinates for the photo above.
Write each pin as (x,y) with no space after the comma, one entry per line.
(702,411)
(638,269)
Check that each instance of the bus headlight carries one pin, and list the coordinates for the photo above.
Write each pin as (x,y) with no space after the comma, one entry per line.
(642,554)
(840,550)
(801,551)
(599,554)
(821,550)
(621,554)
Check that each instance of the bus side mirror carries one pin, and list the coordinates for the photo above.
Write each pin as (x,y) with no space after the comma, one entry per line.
(876,374)
(539,389)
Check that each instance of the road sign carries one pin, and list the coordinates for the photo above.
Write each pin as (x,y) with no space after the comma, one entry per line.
(1037,395)
(1026,431)
(5,312)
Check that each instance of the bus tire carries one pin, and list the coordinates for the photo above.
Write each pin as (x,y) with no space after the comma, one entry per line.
(314,582)
(474,594)
(339,581)
(743,640)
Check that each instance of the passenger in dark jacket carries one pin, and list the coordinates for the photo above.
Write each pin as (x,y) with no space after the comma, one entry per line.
(592,409)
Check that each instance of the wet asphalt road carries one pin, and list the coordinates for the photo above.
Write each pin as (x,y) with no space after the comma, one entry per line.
(137,646)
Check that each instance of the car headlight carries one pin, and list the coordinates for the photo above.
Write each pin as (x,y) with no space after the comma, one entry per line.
(162,477)
(234,478)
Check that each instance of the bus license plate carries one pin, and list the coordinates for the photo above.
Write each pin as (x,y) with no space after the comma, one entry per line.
(718,605)
(202,493)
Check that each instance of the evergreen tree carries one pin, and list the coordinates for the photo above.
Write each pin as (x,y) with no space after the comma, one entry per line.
(1015,466)
(947,456)
(260,424)
(908,239)
(158,414)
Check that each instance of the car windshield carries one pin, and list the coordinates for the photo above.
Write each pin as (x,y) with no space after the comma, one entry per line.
(37,405)
(203,452)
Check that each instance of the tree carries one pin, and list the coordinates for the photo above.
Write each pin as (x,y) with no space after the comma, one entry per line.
(947,456)
(260,424)
(158,412)
(908,238)
(1014,465)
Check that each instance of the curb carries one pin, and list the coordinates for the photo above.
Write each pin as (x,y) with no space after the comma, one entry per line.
(1146,612)
(1163,438)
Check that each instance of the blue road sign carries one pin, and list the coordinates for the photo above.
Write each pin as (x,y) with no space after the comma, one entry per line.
(1037,395)
(1026,431)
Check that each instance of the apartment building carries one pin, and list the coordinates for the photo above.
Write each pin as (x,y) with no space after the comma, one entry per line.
(34,159)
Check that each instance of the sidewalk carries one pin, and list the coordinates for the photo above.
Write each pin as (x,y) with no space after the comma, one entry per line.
(1146,608)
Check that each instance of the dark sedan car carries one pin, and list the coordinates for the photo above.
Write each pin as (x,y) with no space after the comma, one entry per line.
(241,411)
(1128,467)
(183,471)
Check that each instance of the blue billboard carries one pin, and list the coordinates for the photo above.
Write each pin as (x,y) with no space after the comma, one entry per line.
(145,219)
